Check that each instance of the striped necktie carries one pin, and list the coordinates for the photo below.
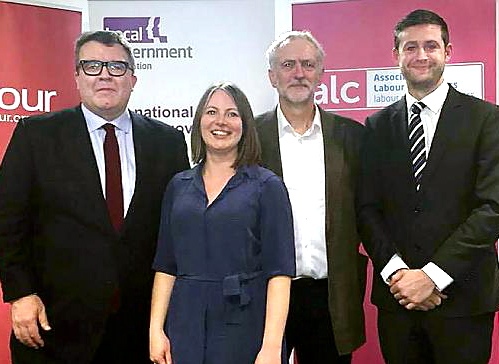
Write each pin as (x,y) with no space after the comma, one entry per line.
(417,142)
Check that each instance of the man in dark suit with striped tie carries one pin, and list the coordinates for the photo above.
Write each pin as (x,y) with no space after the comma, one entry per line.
(428,208)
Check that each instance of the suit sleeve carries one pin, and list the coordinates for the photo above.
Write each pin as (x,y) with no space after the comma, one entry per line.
(16,211)
(371,225)
(181,155)
(463,249)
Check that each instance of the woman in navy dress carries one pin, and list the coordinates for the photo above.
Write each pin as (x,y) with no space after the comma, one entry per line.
(225,252)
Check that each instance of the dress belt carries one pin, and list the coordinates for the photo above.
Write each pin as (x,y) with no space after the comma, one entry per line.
(232,286)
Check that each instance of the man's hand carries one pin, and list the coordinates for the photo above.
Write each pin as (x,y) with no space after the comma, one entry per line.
(412,288)
(435,299)
(26,313)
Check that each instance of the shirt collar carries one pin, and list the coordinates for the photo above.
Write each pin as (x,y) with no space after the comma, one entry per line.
(433,101)
(195,172)
(94,121)
(285,127)
(243,172)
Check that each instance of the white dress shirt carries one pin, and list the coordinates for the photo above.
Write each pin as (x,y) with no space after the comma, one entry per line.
(124,135)
(429,117)
(302,157)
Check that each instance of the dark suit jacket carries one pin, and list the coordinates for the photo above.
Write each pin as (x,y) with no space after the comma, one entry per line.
(453,221)
(56,237)
(346,267)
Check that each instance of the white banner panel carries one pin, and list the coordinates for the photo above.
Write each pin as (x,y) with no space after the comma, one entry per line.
(384,86)
(182,47)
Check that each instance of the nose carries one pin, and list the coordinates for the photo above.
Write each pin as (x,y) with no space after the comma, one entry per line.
(220,120)
(299,71)
(421,53)
(105,73)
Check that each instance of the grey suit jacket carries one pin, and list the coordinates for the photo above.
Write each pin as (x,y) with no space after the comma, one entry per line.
(346,267)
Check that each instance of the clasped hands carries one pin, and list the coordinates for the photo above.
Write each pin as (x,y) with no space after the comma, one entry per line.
(414,290)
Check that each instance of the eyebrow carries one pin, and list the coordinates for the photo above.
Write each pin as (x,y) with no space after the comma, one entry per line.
(299,60)
(214,107)
(411,42)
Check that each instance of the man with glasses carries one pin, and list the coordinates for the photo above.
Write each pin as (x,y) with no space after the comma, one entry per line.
(80,197)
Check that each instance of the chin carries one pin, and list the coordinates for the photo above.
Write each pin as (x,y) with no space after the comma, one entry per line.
(299,98)
(107,106)
(222,151)
(424,85)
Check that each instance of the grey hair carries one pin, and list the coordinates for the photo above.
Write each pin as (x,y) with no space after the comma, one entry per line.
(286,37)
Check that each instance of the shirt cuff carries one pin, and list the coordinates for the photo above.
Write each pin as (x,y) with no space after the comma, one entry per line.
(394,264)
(441,279)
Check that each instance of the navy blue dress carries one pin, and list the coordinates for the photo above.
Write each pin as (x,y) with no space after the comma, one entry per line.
(223,256)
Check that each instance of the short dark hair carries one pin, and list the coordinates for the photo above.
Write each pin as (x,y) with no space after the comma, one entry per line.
(418,17)
(106,37)
(248,148)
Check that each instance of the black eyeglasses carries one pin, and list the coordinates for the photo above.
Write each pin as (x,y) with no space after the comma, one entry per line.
(94,68)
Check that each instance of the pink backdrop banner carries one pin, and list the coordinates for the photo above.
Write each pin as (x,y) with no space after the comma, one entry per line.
(36,76)
(358,39)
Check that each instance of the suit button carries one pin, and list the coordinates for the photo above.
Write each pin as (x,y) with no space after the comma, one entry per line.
(417,247)
(417,209)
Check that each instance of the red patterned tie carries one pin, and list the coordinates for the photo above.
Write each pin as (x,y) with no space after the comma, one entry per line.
(114,189)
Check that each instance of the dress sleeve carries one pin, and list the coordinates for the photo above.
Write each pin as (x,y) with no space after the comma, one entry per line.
(276,229)
(164,260)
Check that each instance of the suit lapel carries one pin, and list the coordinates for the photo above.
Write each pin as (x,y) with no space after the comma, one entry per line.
(445,128)
(334,159)
(400,125)
(76,148)
(142,154)
(333,135)
(400,148)
(269,139)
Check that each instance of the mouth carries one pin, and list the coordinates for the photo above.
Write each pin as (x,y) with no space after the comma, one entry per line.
(105,89)
(220,132)
(421,66)
(299,87)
